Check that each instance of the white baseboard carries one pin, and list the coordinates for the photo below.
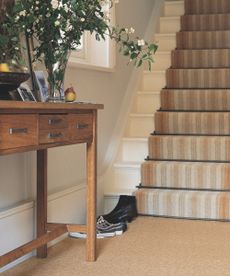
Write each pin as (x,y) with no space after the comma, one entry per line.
(17,225)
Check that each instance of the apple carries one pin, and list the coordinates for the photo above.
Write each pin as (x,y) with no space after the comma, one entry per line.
(4,67)
(70,94)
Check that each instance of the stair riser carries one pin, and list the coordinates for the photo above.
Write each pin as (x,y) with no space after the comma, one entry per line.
(146,103)
(198,78)
(197,205)
(189,148)
(195,99)
(203,40)
(133,151)
(215,176)
(206,6)
(200,123)
(165,42)
(154,80)
(162,61)
(173,8)
(169,25)
(201,58)
(126,178)
(209,22)
(139,126)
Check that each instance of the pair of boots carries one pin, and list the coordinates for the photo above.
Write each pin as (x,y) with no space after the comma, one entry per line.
(115,222)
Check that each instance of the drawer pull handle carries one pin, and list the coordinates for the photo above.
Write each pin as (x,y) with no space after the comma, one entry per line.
(55,135)
(54,121)
(82,126)
(18,130)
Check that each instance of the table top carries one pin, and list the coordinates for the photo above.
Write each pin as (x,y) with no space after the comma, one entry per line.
(10,106)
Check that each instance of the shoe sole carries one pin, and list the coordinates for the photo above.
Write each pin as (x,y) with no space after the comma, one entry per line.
(80,235)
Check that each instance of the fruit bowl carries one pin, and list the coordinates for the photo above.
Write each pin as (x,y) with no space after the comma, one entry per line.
(10,81)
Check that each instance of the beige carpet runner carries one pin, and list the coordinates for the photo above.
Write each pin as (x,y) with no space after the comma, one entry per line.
(187,172)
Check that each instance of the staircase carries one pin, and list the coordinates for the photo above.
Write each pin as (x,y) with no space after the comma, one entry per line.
(187,173)
(124,175)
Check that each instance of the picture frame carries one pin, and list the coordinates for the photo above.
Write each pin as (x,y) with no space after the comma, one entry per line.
(25,93)
(41,84)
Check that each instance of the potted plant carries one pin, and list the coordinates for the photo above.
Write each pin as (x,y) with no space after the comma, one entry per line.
(57,27)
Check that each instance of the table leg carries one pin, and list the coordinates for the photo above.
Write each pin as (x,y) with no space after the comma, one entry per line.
(91,194)
(41,199)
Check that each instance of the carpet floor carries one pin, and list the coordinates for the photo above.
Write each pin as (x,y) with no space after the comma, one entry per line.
(150,247)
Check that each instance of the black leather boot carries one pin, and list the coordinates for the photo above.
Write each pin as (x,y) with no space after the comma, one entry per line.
(125,210)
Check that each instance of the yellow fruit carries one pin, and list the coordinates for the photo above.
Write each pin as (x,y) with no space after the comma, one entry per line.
(70,95)
(4,67)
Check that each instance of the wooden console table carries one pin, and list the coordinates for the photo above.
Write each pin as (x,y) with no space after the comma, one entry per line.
(26,126)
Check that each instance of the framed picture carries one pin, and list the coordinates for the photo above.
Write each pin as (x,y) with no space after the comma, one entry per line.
(25,93)
(41,85)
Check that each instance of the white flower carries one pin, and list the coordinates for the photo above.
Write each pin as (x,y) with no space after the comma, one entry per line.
(48,14)
(141,42)
(131,30)
(82,19)
(22,13)
(66,8)
(37,2)
(126,30)
(56,23)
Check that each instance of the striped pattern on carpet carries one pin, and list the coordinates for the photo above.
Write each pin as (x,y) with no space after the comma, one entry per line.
(211,123)
(189,175)
(198,78)
(206,6)
(198,148)
(205,22)
(185,204)
(195,99)
(201,58)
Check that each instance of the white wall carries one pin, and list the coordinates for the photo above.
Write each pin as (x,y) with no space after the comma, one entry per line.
(66,166)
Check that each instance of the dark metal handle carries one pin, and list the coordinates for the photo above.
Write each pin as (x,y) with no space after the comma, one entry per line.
(54,121)
(82,126)
(55,135)
(18,130)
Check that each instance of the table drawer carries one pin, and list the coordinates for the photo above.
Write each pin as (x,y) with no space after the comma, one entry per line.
(18,130)
(53,121)
(80,127)
(53,135)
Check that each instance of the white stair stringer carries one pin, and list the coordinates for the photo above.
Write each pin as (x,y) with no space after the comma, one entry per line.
(124,175)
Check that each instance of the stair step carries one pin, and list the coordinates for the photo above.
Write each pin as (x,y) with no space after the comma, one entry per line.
(169,24)
(205,22)
(206,6)
(203,40)
(133,149)
(184,204)
(162,60)
(146,102)
(195,148)
(211,58)
(199,123)
(173,8)
(195,99)
(139,125)
(198,78)
(154,80)
(188,175)
(165,42)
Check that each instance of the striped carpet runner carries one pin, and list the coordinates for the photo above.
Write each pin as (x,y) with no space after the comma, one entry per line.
(187,171)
